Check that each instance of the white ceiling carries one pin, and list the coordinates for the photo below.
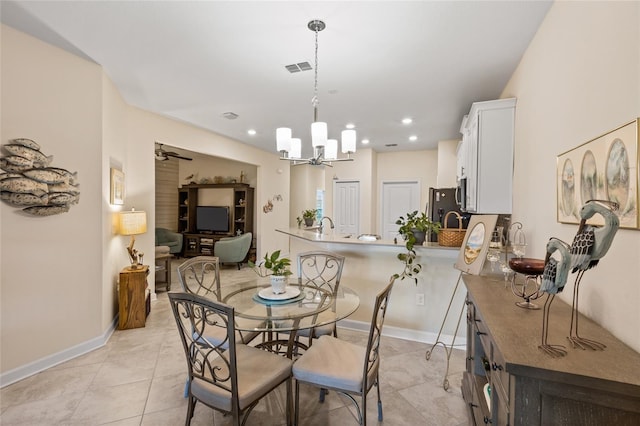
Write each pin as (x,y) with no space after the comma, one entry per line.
(378,61)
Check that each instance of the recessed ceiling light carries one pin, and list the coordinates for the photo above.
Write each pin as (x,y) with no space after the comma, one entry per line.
(407,120)
(413,138)
(350,126)
(365,141)
(251,132)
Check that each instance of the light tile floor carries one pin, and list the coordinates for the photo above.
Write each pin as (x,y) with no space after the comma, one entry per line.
(138,378)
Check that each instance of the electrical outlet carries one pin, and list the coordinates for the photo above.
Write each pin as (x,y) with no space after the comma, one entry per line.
(420,299)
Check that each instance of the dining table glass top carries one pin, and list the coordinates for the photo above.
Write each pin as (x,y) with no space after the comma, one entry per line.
(257,308)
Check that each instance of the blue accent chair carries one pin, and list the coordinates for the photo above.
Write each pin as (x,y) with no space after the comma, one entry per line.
(233,249)
(171,239)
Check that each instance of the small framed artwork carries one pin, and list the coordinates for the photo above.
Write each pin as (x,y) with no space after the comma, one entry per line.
(473,251)
(117,187)
(604,168)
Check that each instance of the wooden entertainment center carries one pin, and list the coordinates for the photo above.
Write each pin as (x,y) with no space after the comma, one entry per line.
(529,387)
(242,211)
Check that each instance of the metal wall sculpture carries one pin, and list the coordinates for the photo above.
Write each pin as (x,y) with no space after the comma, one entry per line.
(30,183)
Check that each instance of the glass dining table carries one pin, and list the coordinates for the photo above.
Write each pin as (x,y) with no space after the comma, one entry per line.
(258,309)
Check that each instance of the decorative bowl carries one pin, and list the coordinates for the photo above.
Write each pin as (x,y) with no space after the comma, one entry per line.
(527,266)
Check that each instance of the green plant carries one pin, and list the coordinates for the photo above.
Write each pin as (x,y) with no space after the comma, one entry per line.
(274,263)
(309,214)
(414,222)
(299,221)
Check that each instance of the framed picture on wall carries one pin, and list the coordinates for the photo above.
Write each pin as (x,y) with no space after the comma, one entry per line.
(604,168)
(473,251)
(117,187)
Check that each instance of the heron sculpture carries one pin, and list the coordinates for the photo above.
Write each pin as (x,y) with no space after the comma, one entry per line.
(590,245)
(554,279)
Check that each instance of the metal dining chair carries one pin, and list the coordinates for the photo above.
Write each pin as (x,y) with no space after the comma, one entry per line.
(201,276)
(224,376)
(323,270)
(345,367)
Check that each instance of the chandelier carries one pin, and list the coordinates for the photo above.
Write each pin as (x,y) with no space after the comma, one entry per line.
(325,151)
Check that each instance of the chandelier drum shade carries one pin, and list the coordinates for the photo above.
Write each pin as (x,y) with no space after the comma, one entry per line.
(325,150)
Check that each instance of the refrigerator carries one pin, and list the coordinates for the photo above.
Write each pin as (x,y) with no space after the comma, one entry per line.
(441,201)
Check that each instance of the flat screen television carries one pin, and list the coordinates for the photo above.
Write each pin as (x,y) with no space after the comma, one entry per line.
(212,219)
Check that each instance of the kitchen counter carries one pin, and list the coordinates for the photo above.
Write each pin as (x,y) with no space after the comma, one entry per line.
(331,237)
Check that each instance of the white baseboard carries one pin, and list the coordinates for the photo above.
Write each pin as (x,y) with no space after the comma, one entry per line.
(42,364)
(460,342)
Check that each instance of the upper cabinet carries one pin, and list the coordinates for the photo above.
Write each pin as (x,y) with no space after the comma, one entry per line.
(485,156)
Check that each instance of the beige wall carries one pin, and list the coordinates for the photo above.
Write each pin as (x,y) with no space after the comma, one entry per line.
(50,270)
(579,78)
(447,160)
(58,274)
(419,165)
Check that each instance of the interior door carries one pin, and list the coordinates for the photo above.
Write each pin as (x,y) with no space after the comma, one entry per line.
(346,207)
(398,199)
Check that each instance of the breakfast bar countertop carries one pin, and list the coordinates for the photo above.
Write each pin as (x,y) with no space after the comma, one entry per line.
(333,237)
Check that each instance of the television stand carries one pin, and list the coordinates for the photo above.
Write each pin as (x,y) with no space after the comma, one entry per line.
(201,244)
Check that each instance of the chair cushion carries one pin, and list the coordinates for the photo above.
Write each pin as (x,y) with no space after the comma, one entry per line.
(258,372)
(162,250)
(332,363)
(324,316)
(216,335)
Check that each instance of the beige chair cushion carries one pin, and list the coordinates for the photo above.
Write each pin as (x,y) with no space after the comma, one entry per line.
(258,373)
(160,250)
(322,330)
(333,363)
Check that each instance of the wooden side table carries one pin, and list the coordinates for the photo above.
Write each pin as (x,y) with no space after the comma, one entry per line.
(133,297)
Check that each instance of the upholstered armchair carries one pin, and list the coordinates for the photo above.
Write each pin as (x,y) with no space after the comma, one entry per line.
(173,240)
(233,249)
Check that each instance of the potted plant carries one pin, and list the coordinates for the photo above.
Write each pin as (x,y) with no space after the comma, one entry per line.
(309,216)
(275,267)
(413,229)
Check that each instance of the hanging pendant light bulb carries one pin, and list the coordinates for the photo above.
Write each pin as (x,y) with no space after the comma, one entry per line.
(325,150)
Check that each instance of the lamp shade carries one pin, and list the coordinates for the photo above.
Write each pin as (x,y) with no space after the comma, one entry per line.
(348,141)
(331,150)
(283,139)
(132,222)
(296,148)
(318,134)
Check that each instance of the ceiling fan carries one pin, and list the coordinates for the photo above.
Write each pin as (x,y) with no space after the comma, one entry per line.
(162,155)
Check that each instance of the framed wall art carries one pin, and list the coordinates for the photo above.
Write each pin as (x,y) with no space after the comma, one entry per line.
(117,187)
(473,251)
(604,168)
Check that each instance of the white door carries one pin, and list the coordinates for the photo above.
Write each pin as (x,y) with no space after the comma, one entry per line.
(398,199)
(346,207)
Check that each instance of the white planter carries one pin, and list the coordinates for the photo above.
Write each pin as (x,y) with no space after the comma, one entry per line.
(279,283)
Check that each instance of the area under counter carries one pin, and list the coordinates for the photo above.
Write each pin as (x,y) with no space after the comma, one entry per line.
(376,261)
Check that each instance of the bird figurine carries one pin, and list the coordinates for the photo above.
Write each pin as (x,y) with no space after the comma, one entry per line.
(554,278)
(590,245)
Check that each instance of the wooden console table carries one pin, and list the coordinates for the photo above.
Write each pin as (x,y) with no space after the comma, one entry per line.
(134,298)
(529,387)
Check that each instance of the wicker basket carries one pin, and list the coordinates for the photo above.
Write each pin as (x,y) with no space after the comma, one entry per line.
(450,237)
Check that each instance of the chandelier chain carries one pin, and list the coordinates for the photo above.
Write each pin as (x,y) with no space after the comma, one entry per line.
(314,101)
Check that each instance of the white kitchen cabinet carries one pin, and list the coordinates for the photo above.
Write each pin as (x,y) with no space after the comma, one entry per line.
(486,156)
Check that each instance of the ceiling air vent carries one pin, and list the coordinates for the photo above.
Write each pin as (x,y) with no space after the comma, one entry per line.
(302,66)
(230,115)
(389,145)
